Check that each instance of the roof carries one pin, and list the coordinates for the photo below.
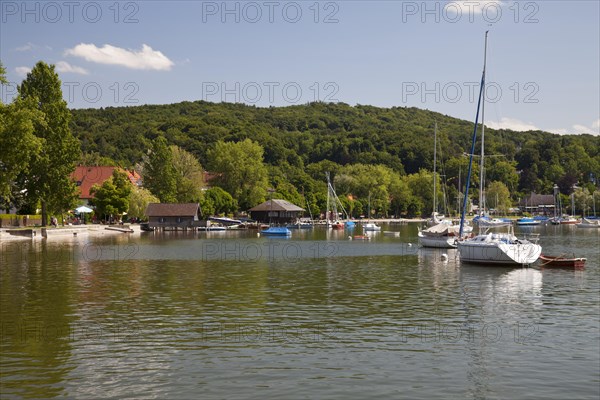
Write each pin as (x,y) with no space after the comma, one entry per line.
(87,176)
(278,205)
(172,209)
(535,200)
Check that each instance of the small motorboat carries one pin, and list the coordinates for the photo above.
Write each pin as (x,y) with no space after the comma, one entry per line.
(562,262)
(371,227)
(276,231)
(528,221)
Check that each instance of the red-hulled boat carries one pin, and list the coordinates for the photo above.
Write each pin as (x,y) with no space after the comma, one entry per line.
(562,262)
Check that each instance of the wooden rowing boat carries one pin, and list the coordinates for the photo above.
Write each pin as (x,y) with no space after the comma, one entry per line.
(562,262)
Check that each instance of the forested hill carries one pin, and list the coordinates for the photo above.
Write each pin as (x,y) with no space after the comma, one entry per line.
(294,137)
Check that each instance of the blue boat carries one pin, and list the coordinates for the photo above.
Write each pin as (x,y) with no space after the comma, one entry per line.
(528,221)
(275,231)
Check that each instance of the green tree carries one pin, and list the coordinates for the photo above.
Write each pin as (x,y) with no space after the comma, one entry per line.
(112,197)
(421,186)
(48,178)
(498,196)
(17,134)
(241,171)
(189,175)
(217,201)
(138,202)
(159,174)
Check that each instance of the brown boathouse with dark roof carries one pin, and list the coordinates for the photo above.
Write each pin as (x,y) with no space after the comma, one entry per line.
(280,212)
(170,216)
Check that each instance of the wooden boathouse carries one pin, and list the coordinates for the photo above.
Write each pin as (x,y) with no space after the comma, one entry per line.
(173,216)
(276,211)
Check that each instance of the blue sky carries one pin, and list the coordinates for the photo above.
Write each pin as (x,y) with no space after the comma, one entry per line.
(543,56)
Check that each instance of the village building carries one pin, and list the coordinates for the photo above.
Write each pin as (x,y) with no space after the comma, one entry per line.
(276,211)
(538,204)
(172,216)
(87,176)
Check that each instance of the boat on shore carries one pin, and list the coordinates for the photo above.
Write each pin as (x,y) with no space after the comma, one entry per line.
(562,262)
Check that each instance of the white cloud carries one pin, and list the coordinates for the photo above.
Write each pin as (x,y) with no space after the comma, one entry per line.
(512,124)
(26,47)
(63,66)
(144,59)
(22,71)
(576,129)
(469,8)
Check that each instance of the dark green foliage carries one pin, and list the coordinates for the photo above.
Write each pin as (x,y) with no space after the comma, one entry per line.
(304,141)
(216,201)
(48,178)
(159,172)
(112,197)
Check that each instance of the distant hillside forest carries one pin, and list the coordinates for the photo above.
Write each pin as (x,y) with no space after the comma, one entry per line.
(300,143)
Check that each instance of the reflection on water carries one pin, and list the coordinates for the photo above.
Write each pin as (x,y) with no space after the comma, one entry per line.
(317,315)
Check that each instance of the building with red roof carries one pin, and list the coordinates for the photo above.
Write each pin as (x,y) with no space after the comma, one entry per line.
(85,177)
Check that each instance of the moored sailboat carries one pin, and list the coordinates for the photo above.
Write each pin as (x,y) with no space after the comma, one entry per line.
(441,233)
(491,248)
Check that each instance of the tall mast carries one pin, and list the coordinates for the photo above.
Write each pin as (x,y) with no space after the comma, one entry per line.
(482,165)
(434,170)
(328,191)
(466,195)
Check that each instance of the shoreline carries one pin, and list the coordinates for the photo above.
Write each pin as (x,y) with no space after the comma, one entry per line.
(62,232)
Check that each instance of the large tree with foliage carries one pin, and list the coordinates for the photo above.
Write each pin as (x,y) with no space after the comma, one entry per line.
(498,196)
(159,174)
(18,142)
(189,175)
(112,197)
(138,202)
(48,178)
(241,171)
(217,201)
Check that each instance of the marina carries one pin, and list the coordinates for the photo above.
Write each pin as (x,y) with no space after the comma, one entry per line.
(317,315)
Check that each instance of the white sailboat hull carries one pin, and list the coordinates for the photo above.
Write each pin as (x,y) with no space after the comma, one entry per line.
(371,228)
(496,252)
(440,242)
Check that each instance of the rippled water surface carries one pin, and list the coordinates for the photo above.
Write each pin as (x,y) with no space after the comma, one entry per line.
(232,315)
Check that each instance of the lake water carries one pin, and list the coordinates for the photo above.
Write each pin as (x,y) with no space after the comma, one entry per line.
(232,315)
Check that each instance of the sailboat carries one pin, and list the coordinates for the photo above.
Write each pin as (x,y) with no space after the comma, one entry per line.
(441,233)
(483,220)
(492,248)
(332,202)
(570,219)
(370,226)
